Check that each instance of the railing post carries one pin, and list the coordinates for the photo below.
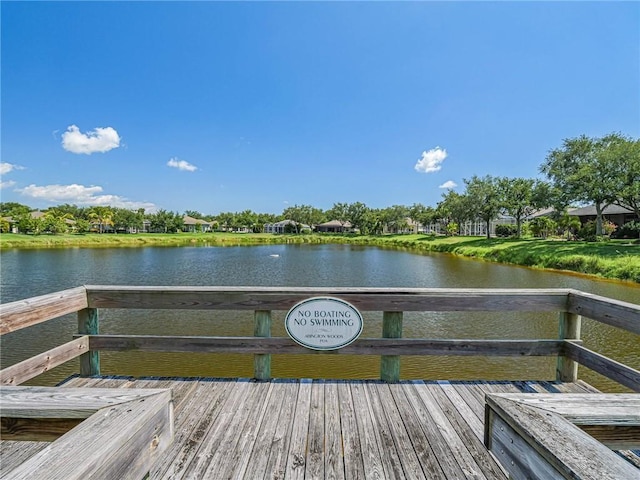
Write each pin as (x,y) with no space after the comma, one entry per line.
(262,362)
(390,364)
(567,369)
(89,324)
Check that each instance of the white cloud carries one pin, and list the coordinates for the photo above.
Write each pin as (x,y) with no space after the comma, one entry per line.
(7,184)
(8,167)
(181,165)
(431,160)
(449,184)
(81,195)
(99,140)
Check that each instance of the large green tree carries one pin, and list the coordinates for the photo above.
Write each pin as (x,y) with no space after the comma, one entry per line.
(356,215)
(127,220)
(582,170)
(624,158)
(422,215)
(455,208)
(226,220)
(484,198)
(303,214)
(372,222)
(520,197)
(165,221)
(13,209)
(339,212)
(395,218)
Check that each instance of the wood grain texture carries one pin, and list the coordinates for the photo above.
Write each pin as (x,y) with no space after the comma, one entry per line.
(122,439)
(38,364)
(89,324)
(617,371)
(365,299)
(569,329)
(35,429)
(617,313)
(542,436)
(244,429)
(261,361)
(390,364)
(31,311)
(362,346)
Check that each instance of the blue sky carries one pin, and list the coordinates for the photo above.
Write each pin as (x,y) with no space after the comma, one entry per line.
(227,106)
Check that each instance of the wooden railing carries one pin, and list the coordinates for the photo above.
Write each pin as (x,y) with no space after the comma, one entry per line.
(87,301)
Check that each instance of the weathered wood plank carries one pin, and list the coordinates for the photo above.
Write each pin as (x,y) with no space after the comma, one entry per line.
(366,299)
(617,371)
(362,346)
(461,400)
(407,456)
(279,450)
(52,402)
(213,433)
(433,434)
(36,429)
(38,364)
(515,454)
(371,455)
(553,438)
(13,454)
(587,409)
(296,461)
(428,460)
(390,364)
(615,437)
(194,420)
(333,458)
(89,324)
(31,311)
(256,464)
(120,443)
(233,432)
(314,468)
(613,312)
(457,445)
(227,461)
(389,454)
(613,419)
(353,465)
(462,425)
(261,361)
(569,329)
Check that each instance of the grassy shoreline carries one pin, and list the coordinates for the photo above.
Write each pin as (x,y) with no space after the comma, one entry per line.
(619,260)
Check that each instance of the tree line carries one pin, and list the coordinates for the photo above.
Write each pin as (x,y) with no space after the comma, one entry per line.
(600,171)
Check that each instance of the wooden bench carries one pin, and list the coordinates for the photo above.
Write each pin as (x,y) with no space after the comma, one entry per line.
(96,433)
(550,436)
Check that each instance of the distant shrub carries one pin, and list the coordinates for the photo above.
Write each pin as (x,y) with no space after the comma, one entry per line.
(588,231)
(542,227)
(506,230)
(628,230)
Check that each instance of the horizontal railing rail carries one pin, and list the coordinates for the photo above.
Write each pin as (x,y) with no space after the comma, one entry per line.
(393,302)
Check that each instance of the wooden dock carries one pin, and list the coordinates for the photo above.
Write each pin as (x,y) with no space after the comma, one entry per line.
(106,428)
(321,429)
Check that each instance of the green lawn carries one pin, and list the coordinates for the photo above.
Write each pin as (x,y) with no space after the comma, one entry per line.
(616,259)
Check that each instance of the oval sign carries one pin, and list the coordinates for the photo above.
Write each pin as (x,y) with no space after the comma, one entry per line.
(323,323)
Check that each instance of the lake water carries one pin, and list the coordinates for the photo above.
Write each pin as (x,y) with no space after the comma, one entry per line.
(26,273)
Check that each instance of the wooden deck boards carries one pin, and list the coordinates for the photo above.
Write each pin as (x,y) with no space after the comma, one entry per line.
(238,428)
